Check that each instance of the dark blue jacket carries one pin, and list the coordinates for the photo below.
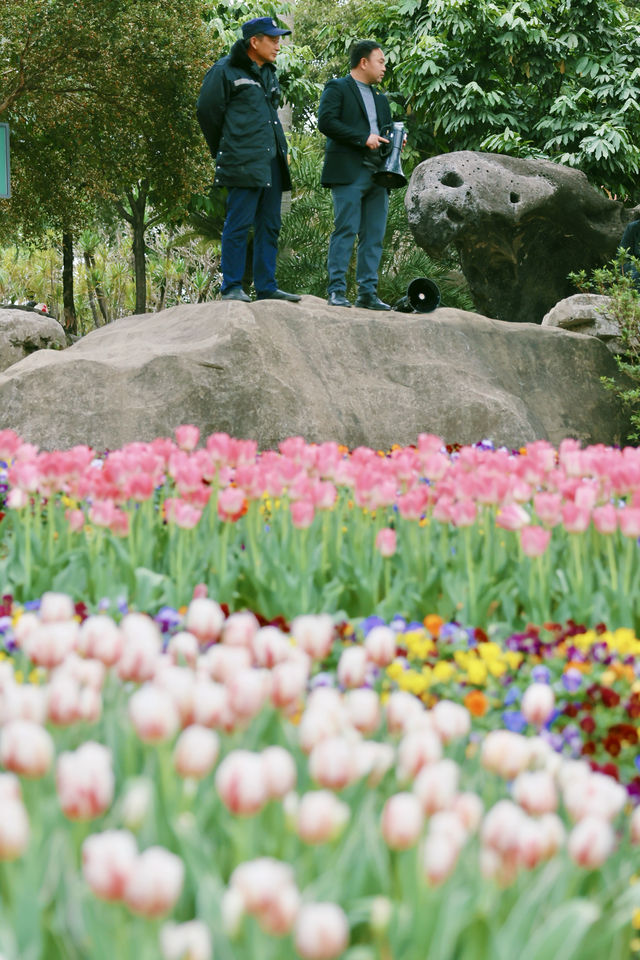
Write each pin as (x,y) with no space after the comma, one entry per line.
(237,110)
(342,117)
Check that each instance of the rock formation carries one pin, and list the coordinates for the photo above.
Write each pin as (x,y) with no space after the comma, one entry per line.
(270,370)
(23,331)
(587,313)
(520,227)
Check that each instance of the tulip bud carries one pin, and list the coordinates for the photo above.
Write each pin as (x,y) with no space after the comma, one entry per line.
(380,644)
(363,709)
(402,821)
(352,666)
(239,629)
(205,619)
(26,748)
(107,862)
(101,638)
(331,763)
(537,704)
(155,882)
(417,750)
(320,817)
(56,607)
(141,648)
(535,792)
(14,829)
(196,752)
(85,781)
(241,783)
(321,931)
(439,858)
(279,771)
(314,634)
(436,785)
(590,842)
(451,720)
(186,941)
(270,646)
(401,709)
(635,826)
(153,715)
(136,802)
(183,649)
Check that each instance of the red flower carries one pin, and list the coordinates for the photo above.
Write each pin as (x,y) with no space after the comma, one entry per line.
(588,724)
(609,697)
(588,748)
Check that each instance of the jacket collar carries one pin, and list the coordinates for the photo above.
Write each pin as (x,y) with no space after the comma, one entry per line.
(238,58)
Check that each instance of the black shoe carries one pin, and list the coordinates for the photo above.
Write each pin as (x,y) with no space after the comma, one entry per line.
(337,299)
(236,293)
(278,295)
(371,302)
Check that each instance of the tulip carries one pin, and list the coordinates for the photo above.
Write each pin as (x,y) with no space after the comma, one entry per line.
(439,857)
(186,941)
(187,437)
(512,517)
(534,540)
(50,642)
(576,519)
(56,607)
(386,542)
(278,919)
(417,749)
(352,666)
(554,833)
(380,644)
(280,771)
(288,684)
(101,638)
(153,714)
(501,828)
(183,648)
(468,808)
(23,627)
(590,842)
(321,931)
(239,629)
(248,690)
(211,706)
(320,817)
(136,802)
(532,843)
(256,881)
(241,783)
(196,752)
(26,748)
(314,633)
(436,785)
(85,781)
(141,648)
(22,701)
(363,709)
(107,862)
(180,684)
(535,792)
(537,704)
(331,763)
(63,702)
(205,619)
(635,826)
(270,646)
(629,520)
(402,821)
(605,519)
(155,882)
(221,663)
(451,720)
(594,796)
(505,753)
(14,828)
(401,709)
(232,911)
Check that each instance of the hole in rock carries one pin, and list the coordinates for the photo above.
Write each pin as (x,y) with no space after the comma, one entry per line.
(455,215)
(451,179)
(514,197)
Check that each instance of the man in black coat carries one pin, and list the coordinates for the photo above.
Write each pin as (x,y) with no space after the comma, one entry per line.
(237,110)
(351,115)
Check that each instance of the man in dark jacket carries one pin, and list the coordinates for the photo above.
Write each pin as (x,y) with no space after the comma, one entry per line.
(237,110)
(352,114)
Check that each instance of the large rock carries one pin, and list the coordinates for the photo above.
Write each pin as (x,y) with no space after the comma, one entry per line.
(24,331)
(587,313)
(520,227)
(270,370)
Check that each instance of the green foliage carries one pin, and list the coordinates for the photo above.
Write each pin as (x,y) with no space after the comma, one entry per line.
(615,281)
(306,229)
(553,78)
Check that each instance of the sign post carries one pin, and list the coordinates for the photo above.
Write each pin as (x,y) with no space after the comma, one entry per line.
(5,173)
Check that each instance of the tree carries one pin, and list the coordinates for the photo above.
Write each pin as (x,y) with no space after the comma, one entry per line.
(552,78)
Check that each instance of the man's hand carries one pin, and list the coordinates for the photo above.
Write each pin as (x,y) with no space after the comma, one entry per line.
(374,140)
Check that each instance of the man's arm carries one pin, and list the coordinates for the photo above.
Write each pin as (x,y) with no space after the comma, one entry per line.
(330,120)
(211,107)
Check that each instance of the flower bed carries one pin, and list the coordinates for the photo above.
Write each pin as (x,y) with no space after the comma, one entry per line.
(197,785)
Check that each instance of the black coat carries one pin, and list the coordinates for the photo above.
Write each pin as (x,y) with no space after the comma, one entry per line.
(342,117)
(237,110)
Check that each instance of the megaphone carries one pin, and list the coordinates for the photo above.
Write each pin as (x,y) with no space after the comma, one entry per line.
(423,296)
(391,174)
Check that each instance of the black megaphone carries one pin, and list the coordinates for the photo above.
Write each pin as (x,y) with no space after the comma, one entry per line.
(423,296)
(391,174)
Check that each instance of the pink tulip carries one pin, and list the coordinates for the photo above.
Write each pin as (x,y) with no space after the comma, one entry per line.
(63,702)
(221,662)
(451,721)
(248,691)
(590,842)
(320,817)
(26,748)
(205,619)
(279,771)
(50,642)
(464,513)
(548,507)
(211,706)
(501,828)
(196,752)
(402,821)
(17,499)
(534,540)
(512,517)
(14,829)
(101,638)
(629,520)
(605,519)
(183,648)
(184,514)
(302,514)
(380,644)
(141,646)
(85,781)
(270,646)
(288,684)
(187,437)
(186,941)
(331,763)
(386,542)
(321,931)
(436,785)
(232,504)
(107,862)
(575,519)
(153,714)
(314,633)
(241,783)
(155,882)
(417,749)
(537,705)
(75,519)
(505,753)
(352,666)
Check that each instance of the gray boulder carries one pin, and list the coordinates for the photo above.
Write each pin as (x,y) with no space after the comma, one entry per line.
(520,227)
(24,331)
(270,370)
(587,313)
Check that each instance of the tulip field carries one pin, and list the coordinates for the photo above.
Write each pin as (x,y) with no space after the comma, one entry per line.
(318,703)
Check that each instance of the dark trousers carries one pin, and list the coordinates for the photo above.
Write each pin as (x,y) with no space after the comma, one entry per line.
(259,207)
(359,208)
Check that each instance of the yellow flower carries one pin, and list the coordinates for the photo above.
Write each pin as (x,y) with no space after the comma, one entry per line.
(18,676)
(477,672)
(513,659)
(489,651)
(443,671)
(413,682)
(395,670)
(497,668)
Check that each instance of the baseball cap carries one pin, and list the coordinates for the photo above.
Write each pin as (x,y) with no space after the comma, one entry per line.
(266,25)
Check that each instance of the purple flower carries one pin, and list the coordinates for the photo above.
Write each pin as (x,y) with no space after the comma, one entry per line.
(322,679)
(540,674)
(512,696)
(572,680)
(167,618)
(370,622)
(513,720)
